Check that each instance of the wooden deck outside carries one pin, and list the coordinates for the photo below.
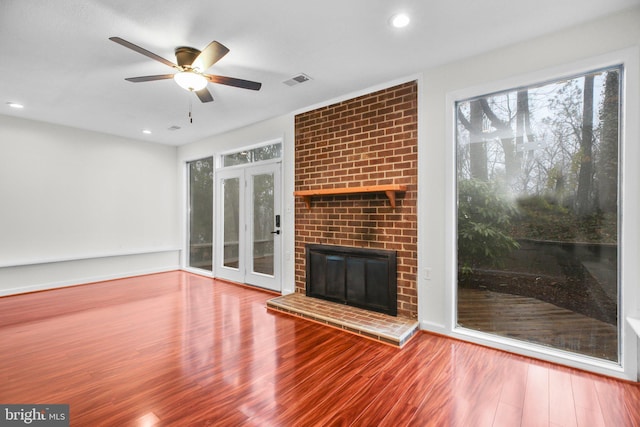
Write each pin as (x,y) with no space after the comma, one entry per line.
(535,321)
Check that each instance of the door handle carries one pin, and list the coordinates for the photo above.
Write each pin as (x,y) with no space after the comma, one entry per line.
(275,232)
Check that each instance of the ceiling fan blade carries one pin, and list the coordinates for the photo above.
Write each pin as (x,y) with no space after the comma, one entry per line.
(204,95)
(209,56)
(145,52)
(149,78)
(231,81)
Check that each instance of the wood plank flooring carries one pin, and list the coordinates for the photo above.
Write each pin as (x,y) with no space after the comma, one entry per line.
(176,349)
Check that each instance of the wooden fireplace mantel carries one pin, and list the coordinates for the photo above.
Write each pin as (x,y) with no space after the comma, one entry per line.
(390,190)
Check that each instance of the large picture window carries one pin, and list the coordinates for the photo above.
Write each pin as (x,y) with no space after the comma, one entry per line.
(538,213)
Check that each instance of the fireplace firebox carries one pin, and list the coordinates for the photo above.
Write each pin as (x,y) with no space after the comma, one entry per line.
(364,278)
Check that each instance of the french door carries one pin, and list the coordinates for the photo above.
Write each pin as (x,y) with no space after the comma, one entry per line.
(248,240)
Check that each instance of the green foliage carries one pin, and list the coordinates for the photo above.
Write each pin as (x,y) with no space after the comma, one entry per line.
(484,223)
(543,218)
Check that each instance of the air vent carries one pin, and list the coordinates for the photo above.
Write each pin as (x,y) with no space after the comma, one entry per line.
(296,80)
(174,127)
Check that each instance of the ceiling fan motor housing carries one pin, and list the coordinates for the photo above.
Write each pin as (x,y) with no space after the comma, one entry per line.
(186,55)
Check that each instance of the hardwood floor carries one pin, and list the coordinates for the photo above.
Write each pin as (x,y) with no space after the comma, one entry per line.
(176,349)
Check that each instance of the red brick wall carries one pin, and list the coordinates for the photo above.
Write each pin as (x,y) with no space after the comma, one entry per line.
(369,140)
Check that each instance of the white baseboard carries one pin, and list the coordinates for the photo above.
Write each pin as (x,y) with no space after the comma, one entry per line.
(69,272)
(433,327)
(83,281)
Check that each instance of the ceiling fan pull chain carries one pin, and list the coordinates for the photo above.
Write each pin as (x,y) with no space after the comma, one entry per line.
(190,117)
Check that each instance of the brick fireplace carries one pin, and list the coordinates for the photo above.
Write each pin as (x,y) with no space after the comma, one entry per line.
(366,141)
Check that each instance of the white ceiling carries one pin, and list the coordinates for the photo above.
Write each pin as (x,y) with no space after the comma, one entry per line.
(56,57)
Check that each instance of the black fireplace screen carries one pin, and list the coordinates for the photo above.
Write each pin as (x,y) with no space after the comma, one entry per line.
(365,278)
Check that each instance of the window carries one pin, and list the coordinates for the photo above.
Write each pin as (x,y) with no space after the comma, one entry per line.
(258,154)
(538,213)
(201,213)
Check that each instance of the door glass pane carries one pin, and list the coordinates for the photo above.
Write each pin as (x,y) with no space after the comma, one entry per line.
(537,181)
(231,230)
(263,223)
(201,213)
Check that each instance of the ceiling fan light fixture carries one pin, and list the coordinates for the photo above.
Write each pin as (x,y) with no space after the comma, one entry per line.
(190,81)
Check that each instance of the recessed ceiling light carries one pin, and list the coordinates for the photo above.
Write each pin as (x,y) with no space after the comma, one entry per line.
(399,20)
(146,131)
(15,105)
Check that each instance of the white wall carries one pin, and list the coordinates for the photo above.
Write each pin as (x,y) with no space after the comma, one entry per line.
(436,169)
(280,128)
(79,206)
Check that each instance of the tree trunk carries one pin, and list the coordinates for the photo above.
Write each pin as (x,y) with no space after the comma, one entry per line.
(585,177)
(524,133)
(608,163)
(478,146)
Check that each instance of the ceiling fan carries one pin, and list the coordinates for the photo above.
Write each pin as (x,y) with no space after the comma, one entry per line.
(191,65)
